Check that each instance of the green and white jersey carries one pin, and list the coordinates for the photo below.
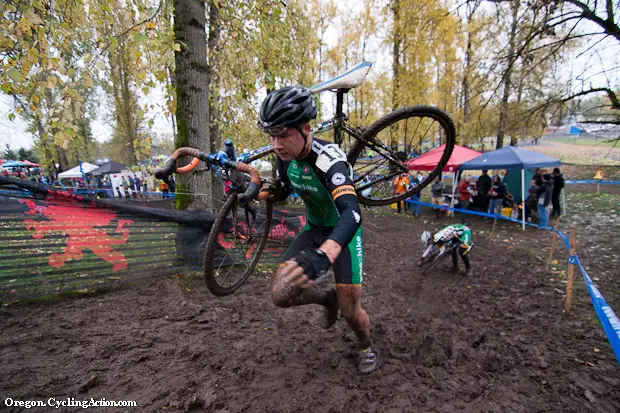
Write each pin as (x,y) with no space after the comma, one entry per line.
(454,231)
(324,181)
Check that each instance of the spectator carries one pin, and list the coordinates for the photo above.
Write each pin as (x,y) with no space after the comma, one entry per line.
(108,188)
(164,189)
(132,186)
(558,185)
(538,180)
(484,186)
(172,184)
(100,187)
(464,189)
(118,190)
(484,183)
(144,186)
(399,186)
(416,209)
(130,182)
(497,192)
(125,185)
(437,194)
(544,194)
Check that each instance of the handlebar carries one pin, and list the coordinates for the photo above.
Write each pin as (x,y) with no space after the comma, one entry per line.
(170,167)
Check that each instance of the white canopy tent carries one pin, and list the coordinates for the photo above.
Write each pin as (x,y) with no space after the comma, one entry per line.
(75,171)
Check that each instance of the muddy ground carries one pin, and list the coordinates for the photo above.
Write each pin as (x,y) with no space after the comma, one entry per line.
(495,342)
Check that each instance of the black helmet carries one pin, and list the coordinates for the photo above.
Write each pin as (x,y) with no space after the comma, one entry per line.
(290,105)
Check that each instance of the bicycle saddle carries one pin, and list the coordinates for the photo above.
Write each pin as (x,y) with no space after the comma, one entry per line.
(347,80)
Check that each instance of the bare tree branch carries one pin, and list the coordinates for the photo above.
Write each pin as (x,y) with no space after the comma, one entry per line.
(615,102)
(607,24)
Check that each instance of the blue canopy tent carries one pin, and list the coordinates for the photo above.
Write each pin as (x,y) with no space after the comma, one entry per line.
(511,158)
(12,164)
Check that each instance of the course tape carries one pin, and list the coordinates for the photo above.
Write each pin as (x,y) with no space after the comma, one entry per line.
(91,191)
(605,314)
(607,317)
(592,181)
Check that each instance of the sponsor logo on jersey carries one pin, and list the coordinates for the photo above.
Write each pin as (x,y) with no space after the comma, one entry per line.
(360,253)
(357,217)
(294,165)
(304,187)
(343,190)
(306,170)
(306,177)
(338,179)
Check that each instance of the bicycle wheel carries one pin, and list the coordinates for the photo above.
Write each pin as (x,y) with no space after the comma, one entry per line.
(383,150)
(235,244)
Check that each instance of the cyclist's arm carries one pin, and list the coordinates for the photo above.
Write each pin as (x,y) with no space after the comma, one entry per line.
(343,193)
(281,172)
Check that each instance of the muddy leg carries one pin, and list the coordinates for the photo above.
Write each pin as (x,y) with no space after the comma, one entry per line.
(285,295)
(351,309)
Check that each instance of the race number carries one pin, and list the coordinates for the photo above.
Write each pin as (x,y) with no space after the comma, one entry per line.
(329,155)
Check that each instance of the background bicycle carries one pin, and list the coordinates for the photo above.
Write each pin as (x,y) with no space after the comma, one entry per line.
(435,254)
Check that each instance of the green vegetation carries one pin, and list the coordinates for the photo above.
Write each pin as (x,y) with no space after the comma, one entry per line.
(577,140)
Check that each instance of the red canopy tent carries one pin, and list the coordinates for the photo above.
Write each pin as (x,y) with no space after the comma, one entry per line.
(30,164)
(430,159)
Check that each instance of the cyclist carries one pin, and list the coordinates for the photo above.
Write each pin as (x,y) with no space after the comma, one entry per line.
(452,234)
(319,172)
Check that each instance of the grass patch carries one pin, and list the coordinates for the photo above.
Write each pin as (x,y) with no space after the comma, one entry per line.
(584,204)
(578,140)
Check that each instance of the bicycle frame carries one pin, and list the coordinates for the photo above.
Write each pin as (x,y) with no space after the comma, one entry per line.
(339,125)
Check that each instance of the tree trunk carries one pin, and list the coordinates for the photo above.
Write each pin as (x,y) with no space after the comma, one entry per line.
(468,53)
(217,190)
(514,141)
(48,160)
(471,9)
(396,54)
(173,117)
(192,89)
(63,164)
(213,43)
(503,110)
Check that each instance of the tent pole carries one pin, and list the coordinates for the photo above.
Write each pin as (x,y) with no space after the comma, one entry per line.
(523,197)
(453,191)
(563,201)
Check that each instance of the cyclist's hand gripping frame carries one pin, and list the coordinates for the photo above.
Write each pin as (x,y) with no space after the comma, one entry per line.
(170,167)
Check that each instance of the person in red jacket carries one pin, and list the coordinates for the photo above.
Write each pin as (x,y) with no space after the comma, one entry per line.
(464,197)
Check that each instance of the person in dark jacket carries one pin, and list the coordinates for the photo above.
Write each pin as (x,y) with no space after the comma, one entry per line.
(173,184)
(538,178)
(437,192)
(497,192)
(484,186)
(484,183)
(544,193)
(558,185)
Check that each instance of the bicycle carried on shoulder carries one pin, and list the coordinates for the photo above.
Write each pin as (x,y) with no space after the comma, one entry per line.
(381,152)
(239,233)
